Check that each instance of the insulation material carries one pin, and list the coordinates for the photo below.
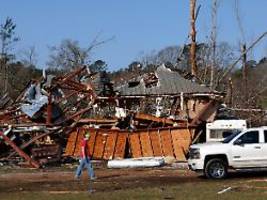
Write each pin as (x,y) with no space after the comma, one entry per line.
(137,162)
(35,100)
(120,112)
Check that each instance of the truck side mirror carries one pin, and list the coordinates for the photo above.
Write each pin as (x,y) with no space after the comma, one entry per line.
(238,142)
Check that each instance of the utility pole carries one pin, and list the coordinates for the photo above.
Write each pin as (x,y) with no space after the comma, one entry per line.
(194,69)
(243,50)
(244,69)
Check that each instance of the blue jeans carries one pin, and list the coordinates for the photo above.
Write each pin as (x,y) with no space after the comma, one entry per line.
(85,163)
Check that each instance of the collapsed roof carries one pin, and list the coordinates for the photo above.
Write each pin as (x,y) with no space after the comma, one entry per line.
(162,82)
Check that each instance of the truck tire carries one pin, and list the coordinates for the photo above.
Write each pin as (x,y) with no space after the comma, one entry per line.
(216,168)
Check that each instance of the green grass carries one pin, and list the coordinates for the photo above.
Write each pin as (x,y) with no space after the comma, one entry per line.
(198,190)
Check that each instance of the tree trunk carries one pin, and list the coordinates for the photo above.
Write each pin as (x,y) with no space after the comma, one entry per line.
(213,41)
(194,69)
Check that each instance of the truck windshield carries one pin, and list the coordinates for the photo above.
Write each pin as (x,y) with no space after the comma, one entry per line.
(229,138)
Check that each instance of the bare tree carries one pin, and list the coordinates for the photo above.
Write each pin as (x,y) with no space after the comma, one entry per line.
(29,56)
(167,54)
(229,69)
(7,39)
(179,57)
(69,54)
(194,69)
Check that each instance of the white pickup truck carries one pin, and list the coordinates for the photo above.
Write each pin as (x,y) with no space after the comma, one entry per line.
(245,150)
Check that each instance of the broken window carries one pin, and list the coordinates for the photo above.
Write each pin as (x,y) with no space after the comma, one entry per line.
(150,80)
(133,84)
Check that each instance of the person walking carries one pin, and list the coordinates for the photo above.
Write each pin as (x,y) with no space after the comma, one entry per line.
(85,161)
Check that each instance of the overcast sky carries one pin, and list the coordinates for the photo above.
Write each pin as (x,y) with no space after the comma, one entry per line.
(138,25)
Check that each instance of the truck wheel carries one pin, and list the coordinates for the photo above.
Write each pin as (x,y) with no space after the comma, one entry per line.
(216,169)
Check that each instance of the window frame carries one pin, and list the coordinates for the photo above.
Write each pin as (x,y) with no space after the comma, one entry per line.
(240,138)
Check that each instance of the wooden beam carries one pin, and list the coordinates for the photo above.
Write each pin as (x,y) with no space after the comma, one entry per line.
(19,151)
(142,116)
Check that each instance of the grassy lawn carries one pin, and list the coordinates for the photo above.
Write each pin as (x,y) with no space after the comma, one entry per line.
(156,183)
(247,189)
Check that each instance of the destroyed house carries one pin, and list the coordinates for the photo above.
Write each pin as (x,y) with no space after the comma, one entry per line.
(163,81)
(171,92)
(165,110)
(156,115)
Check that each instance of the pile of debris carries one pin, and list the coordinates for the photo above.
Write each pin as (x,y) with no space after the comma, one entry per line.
(36,123)
(51,115)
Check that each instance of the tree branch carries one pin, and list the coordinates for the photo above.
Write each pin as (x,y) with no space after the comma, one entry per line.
(231,67)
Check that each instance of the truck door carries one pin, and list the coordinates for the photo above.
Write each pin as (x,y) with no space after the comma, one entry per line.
(247,150)
(264,148)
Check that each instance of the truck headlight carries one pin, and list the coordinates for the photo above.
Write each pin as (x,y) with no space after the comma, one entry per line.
(194,153)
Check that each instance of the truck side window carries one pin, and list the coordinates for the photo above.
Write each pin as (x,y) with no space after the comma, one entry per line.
(250,137)
(265,136)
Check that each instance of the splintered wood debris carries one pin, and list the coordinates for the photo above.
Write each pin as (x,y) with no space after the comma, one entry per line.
(159,119)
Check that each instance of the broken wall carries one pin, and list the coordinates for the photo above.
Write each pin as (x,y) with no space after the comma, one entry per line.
(116,144)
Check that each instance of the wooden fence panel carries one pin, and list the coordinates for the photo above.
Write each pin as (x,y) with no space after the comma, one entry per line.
(110,146)
(78,143)
(135,145)
(120,146)
(178,149)
(91,142)
(71,144)
(166,143)
(147,150)
(99,146)
(156,143)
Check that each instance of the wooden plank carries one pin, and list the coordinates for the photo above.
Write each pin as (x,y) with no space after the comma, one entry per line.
(97,121)
(192,133)
(135,145)
(71,144)
(147,150)
(99,146)
(120,146)
(185,144)
(110,146)
(91,142)
(178,149)
(166,143)
(155,142)
(78,143)
(19,151)
(143,116)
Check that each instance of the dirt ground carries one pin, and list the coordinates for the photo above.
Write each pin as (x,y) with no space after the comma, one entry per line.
(58,179)
(130,183)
